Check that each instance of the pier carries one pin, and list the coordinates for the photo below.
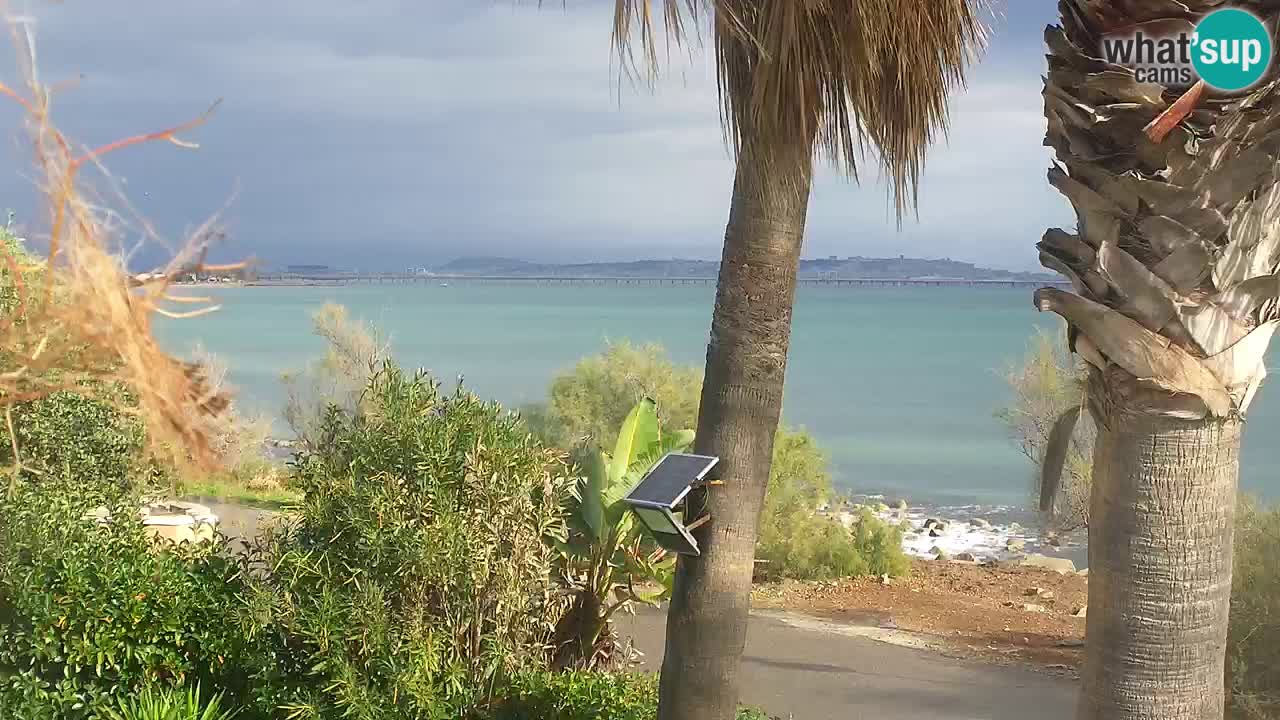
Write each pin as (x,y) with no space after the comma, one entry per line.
(407,278)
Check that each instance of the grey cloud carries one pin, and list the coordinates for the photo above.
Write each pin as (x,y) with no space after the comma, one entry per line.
(413,132)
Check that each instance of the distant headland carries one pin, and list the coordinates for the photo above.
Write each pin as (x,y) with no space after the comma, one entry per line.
(850,267)
(832,268)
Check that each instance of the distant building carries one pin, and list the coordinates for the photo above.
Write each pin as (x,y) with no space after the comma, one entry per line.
(306,268)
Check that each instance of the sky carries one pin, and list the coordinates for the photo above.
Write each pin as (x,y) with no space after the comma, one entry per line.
(384,135)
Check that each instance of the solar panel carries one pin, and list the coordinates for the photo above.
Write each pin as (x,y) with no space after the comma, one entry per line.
(657,521)
(669,481)
(681,543)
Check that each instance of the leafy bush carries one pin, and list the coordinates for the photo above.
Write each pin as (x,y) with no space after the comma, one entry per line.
(416,576)
(581,696)
(806,546)
(90,611)
(1253,644)
(588,696)
(69,435)
(796,542)
(593,399)
(168,704)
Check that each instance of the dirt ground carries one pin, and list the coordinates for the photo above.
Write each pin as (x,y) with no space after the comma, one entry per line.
(997,612)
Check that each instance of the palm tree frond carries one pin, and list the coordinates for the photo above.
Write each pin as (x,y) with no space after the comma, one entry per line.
(833,75)
(1176,259)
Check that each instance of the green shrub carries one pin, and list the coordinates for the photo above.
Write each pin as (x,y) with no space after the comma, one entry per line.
(1253,644)
(168,704)
(797,542)
(588,696)
(353,352)
(68,435)
(880,544)
(593,399)
(1047,381)
(806,546)
(89,611)
(581,696)
(417,573)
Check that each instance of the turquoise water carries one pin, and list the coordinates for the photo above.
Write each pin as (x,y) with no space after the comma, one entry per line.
(899,384)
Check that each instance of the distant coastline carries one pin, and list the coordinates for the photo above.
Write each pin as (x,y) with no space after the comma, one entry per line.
(833,270)
(598,281)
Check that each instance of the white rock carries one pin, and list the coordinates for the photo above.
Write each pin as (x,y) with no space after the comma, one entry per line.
(1060,565)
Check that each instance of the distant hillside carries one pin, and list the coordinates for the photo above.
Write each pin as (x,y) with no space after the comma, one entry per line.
(831,267)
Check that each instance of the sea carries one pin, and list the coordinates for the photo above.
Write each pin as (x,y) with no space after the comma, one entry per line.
(900,385)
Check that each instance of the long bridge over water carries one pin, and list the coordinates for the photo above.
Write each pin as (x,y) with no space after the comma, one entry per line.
(410,278)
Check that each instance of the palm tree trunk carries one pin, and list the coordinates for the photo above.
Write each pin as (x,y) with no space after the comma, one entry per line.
(1161,524)
(741,406)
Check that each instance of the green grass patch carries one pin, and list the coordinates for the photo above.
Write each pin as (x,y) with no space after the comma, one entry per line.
(234,488)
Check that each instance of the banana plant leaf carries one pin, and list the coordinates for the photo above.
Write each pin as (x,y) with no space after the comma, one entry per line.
(639,432)
(592,502)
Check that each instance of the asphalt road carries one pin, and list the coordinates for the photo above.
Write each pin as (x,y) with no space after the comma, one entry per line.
(820,675)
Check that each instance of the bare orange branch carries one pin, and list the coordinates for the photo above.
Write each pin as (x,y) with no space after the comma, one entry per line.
(6,90)
(137,139)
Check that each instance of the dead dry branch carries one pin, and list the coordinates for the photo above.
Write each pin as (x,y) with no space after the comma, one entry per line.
(78,317)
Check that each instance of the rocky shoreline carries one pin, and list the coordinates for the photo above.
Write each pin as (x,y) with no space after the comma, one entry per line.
(974,533)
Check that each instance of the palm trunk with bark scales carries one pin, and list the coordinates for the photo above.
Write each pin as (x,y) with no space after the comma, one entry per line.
(740,410)
(1162,512)
(1174,268)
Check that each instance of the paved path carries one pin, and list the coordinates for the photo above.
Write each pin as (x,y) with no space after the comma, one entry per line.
(819,675)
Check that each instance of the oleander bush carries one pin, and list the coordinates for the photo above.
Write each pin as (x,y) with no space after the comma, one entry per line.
(416,577)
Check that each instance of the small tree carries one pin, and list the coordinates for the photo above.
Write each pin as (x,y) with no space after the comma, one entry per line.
(354,351)
(1047,386)
(593,399)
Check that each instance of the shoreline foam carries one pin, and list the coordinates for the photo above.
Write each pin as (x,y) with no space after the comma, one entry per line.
(984,531)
